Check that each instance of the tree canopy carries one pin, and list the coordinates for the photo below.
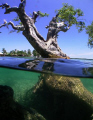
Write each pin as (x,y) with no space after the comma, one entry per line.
(89,31)
(70,16)
(66,14)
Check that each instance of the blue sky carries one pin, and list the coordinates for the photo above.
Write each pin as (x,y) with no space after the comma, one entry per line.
(72,43)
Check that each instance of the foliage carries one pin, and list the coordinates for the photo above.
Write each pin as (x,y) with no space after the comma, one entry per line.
(29,52)
(19,53)
(4,51)
(12,52)
(70,16)
(35,53)
(43,14)
(89,31)
(16,19)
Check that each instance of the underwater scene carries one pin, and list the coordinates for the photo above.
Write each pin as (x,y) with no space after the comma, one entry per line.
(46,89)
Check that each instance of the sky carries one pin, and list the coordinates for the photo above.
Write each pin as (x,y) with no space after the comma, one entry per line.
(72,43)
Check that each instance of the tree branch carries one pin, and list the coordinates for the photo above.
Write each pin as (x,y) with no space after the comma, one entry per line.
(38,34)
(62,27)
(21,28)
(14,9)
(48,48)
(22,4)
(55,28)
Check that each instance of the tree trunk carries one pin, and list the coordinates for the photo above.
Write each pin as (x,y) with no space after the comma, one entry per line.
(46,48)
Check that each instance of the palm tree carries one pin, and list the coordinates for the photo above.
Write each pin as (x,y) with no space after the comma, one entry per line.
(29,52)
(4,51)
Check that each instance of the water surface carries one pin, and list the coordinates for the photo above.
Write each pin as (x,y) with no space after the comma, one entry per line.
(22,74)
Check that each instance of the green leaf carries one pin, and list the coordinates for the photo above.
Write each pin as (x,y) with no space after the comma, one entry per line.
(89,31)
(70,15)
(43,14)
(16,19)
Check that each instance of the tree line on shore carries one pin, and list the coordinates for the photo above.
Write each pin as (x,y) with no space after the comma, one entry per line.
(16,52)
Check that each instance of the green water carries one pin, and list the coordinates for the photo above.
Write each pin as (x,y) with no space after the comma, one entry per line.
(88,83)
(22,81)
(55,97)
(19,81)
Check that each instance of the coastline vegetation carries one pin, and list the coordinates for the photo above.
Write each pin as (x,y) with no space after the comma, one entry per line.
(25,53)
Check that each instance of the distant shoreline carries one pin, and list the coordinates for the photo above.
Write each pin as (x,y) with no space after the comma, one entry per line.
(15,55)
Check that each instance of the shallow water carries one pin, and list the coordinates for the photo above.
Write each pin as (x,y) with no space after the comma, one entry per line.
(23,74)
(21,80)
(88,83)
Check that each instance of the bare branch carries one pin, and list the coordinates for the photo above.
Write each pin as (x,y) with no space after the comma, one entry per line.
(62,27)
(58,26)
(54,28)
(35,15)
(6,6)
(21,28)
(22,4)
(3,25)
(8,9)
(12,9)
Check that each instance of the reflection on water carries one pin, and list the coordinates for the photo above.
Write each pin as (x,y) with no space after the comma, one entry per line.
(63,88)
(76,68)
(60,66)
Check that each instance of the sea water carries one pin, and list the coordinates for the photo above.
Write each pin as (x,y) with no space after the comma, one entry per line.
(20,81)
(23,74)
(24,78)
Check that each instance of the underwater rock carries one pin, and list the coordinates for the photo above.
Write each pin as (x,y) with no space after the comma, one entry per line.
(61,98)
(11,110)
